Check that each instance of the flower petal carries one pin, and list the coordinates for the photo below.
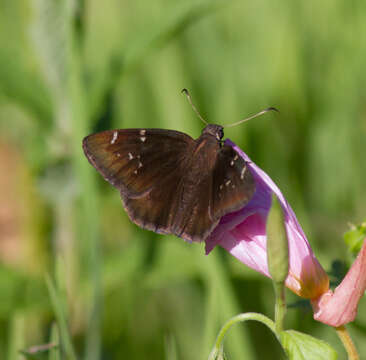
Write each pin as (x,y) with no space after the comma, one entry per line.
(339,308)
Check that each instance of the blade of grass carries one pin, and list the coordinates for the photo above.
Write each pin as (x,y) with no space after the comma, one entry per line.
(88,225)
(55,36)
(176,24)
(149,41)
(55,353)
(61,319)
(170,347)
(16,336)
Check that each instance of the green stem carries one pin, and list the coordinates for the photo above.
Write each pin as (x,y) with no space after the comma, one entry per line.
(347,343)
(280,307)
(234,320)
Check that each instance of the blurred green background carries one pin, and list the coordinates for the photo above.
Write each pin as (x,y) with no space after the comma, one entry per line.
(70,68)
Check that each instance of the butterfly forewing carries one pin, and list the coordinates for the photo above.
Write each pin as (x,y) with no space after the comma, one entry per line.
(147,166)
(135,160)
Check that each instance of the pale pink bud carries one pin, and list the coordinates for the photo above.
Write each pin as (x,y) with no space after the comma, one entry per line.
(339,308)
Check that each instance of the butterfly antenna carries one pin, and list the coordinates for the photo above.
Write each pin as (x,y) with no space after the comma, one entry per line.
(185,91)
(253,116)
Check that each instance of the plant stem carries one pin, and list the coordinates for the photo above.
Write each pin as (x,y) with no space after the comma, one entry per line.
(280,307)
(234,320)
(347,343)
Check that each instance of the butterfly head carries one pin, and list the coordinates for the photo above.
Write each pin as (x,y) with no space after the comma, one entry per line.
(214,130)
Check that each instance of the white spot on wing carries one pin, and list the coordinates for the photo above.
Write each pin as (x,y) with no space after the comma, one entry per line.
(228,183)
(143,138)
(118,154)
(135,172)
(221,186)
(232,162)
(236,157)
(114,138)
(142,132)
(140,164)
(130,156)
(243,172)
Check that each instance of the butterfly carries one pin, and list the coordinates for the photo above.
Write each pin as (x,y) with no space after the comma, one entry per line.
(170,183)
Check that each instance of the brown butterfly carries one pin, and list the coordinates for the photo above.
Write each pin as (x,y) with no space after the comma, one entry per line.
(169,182)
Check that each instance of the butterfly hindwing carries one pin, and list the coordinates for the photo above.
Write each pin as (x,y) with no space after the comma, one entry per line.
(156,210)
(197,222)
(233,183)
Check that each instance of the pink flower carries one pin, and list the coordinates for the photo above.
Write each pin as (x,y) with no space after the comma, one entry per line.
(243,234)
(340,307)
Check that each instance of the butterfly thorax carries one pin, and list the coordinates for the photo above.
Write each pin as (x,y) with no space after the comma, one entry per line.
(198,171)
(206,148)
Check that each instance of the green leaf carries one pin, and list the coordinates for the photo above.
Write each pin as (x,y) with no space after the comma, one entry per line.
(354,238)
(299,346)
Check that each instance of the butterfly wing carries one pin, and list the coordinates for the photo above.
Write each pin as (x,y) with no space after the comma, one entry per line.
(147,166)
(134,160)
(164,187)
(233,183)
(195,223)
(217,185)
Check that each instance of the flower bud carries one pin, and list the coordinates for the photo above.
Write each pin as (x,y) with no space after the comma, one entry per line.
(277,245)
(339,308)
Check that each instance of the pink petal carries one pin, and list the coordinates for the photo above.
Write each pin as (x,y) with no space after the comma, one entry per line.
(339,308)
